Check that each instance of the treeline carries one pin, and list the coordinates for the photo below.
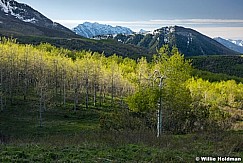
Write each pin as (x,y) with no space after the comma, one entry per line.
(50,77)
(230,65)
(215,77)
(108,47)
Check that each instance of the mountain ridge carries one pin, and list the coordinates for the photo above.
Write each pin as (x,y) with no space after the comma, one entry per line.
(188,41)
(236,42)
(231,44)
(89,30)
(17,19)
(21,19)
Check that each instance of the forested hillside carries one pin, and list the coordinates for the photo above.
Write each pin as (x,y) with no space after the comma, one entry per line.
(78,44)
(18,19)
(188,41)
(230,65)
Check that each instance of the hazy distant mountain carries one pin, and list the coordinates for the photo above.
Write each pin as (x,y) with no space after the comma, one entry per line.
(188,41)
(20,19)
(90,30)
(237,42)
(142,31)
(236,45)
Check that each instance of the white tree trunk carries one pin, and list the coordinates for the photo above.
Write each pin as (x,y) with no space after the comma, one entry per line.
(87,93)
(40,107)
(1,89)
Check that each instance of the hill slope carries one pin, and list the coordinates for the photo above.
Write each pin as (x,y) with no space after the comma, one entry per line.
(230,65)
(188,41)
(20,19)
(108,47)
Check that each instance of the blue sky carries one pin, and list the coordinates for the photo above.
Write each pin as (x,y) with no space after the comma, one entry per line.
(211,17)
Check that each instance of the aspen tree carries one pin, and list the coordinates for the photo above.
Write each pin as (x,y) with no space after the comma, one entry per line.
(1,84)
(76,88)
(64,79)
(42,73)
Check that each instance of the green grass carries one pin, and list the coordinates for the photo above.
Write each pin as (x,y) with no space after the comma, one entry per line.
(19,121)
(129,153)
(86,149)
(68,136)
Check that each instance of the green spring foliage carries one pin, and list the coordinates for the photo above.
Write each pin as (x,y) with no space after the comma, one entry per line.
(49,76)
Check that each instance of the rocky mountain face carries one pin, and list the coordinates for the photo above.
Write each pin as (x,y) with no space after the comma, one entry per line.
(188,41)
(20,19)
(236,45)
(90,30)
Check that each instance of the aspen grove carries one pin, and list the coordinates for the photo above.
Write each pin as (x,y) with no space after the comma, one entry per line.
(51,77)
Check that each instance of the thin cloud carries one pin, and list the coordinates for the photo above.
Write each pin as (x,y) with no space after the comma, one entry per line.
(227,28)
(199,21)
(225,32)
(158,22)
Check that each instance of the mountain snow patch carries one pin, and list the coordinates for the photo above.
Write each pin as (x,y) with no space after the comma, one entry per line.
(17,12)
(91,30)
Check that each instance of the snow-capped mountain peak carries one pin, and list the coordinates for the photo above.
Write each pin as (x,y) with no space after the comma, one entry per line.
(21,18)
(235,45)
(6,6)
(236,42)
(91,30)
(142,31)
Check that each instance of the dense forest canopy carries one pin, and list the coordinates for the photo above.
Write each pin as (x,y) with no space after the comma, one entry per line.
(230,65)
